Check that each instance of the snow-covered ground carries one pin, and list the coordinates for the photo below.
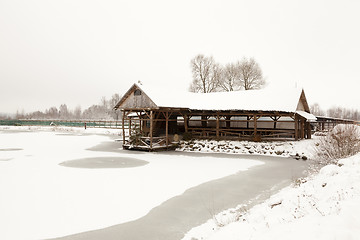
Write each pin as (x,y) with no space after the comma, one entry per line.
(325,206)
(296,149)
(41,199)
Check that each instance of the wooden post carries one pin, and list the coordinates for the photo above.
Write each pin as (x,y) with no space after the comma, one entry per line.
(151,129)
(296,121)
(186,122)
(123,126)
(129,127)
(228,123)
(217,125)
(255,127)
(308,130)
(302,131)
(167,128)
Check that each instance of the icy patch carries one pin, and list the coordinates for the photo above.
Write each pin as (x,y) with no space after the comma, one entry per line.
(104,162)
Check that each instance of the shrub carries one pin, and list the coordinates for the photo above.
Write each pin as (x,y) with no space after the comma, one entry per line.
(135,137)
(341,142)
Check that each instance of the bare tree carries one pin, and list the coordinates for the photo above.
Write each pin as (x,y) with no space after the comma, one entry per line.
(316,110)
(77,112)
(206,74)
(230,80)
(251,74)
(63,111)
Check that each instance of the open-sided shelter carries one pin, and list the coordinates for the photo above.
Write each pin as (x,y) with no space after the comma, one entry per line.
(154,115)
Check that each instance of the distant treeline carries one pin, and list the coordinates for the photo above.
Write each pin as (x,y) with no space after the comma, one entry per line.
(102,111)
(335,112)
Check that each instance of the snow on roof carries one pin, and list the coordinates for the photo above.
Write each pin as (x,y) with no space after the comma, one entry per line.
(251,100)
(309,117)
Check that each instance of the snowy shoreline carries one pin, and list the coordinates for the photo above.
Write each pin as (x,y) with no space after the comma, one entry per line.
(295,149)
(323,206)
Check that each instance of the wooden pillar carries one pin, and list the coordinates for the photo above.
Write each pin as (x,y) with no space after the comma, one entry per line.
(186,123)
(228,123)
(151,129)
(217,125)
(255,127)
(275,120)
(308,130)
(302,132)
(167,128)
(296,121)
(123,126)
(204,121)
(129,127)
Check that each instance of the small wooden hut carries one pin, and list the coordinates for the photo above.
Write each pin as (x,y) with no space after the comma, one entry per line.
(156,116)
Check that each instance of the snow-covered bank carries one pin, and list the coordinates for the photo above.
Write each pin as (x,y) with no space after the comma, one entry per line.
(296,149)
(41,199)
(325,206)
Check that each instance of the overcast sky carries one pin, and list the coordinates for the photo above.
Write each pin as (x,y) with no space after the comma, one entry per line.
(76,51)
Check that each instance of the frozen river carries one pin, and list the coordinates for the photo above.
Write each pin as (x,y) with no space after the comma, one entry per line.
(55,183)
(173,218)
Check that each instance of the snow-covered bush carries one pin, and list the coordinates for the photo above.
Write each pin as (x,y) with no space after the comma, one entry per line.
(135,137)
(342,141)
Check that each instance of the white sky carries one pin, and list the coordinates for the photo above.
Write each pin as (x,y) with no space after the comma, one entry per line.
(76,51)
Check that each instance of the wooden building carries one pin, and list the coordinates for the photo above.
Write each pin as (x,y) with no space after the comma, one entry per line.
(327,123)
(157,118)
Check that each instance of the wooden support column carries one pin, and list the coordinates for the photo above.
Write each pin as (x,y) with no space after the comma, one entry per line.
(217,126)
(129,127)
(186,123)
(275,119)
(228,123)
(302,129)
(296,121)
(255,127)
(308,130)
(151,129)
(123,126)
(167,128)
